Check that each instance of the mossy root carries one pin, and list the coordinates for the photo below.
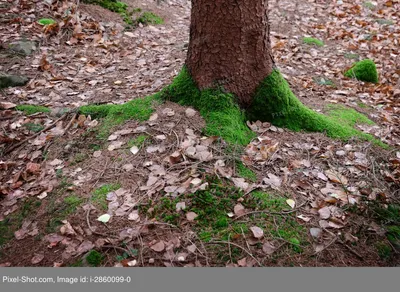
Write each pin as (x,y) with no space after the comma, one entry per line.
(273,102)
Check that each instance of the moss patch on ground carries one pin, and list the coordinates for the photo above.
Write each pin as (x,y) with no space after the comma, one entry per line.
(313,41)
(122,9)
(94,258)
(138,141)
(32,109)
(245,172)
(274,102)
(223,116)
(364,70)
(115,6)
(61,209)
(15,220)
(213,223)
(150,18)
(138,109)
(99,196)
(347,115)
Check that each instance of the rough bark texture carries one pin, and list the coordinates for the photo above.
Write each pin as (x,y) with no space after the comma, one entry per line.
(229,46)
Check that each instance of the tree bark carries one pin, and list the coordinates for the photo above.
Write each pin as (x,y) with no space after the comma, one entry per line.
(230,46)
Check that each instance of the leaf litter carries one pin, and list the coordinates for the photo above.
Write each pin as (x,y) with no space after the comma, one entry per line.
(322,176)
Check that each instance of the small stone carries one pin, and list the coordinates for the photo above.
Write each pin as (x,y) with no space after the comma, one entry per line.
(12,81)
(23,47)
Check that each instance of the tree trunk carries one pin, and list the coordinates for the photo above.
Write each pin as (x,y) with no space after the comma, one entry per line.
(229,46)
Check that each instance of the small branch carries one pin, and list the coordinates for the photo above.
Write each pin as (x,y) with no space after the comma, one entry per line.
(271,213)
(15,146)
(238,246)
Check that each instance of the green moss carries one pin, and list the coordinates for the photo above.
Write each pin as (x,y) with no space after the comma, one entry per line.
(150,18)
(347,115)
(138,109)
(222,115)
(274,102)
(384,250)
(14,221)
(33,127)
(138,141)
(263,200)
(369,5)
(94,258)
(73,201)
(362,105)
(46,21)
(313,41)
(115,6)
(79,157)
(364,70)
(99,196)
(32,109)
(76,264)
(245,172)
(60,210)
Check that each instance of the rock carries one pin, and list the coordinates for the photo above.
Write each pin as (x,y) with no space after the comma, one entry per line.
(12,81)
(23,47)
(396,93)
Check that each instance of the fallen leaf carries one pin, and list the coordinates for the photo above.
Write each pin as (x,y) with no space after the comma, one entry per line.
(104,218)
(192,248)
(7,105)
(239,209)
(240,183)
(134,150)
(268,248)
(190,112)
(315,232)
(180,206)
(324,213)
(257,232)
(304,218)
(242,262)
(37,258)
(190,216)
(336,177)
(291,203)
(158,247)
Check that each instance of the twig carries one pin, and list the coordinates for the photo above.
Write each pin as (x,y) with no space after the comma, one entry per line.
(120,248)
(15,146)
(328,245)
(229,247)
(238,246)
(70,123)
(271,213)
(90,226)
(351,250)
(159,223)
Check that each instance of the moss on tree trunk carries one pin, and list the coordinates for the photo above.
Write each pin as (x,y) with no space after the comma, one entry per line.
(272,102)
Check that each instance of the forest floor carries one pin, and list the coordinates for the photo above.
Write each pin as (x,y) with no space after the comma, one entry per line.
(153,191)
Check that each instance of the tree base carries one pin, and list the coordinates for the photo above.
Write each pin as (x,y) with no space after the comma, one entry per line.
(273,102)
(223,116)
